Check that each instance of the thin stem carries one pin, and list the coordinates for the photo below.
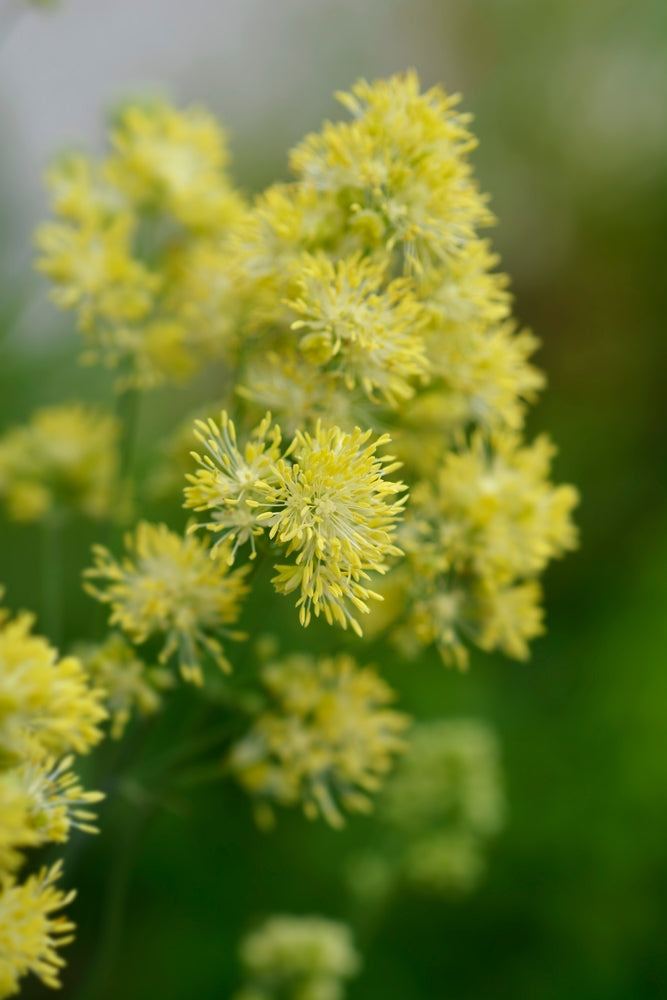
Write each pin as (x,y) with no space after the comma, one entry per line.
(127,409)
(99,983)
(52,577)
(193,748)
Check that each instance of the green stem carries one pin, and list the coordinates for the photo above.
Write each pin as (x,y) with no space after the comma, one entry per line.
(127,413)
(193,748)
(99,984)
(127,409)
(52,577)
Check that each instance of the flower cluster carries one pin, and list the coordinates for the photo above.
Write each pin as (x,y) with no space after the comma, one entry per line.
(136,248)
(65,458)
(362,306)
(168,586)
(480,532)
(326,739)
(129,684)
(48,712)
(325,500)
(438,810)
(297,958)
(358,299)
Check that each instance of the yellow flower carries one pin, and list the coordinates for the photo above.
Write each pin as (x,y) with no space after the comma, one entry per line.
(16,830)
(497,514)
(477,536)
(399,170)
(484,376)
(327,740)
(229,479)
(173,161)
(298,958)
(82,192)
(371,334)
(284,221)
(168,585)
(508,618)
(65,457)
(202,293)
(43,698)
(93,270)
(439,618)
(128,682)
(30,930)
(137,248)
(332,506)
(285,382)
(57,802)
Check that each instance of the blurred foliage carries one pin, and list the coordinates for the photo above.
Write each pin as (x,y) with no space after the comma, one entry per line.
(566,97)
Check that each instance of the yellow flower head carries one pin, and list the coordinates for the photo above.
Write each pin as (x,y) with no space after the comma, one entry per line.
(65,457)
(42,698)
(168,585)
(229,479)
(439,618)
(92,267)
(507,618)
(137,246)
(128,682)
(498,516)
(41,800)
(57,802)
(31,929)
(327,740)
(484,376)
(297,958)
(369,334)
(399,169)
(173,161)
(284,221)
(16,830)
(333,507)
(284,382)
(82,191)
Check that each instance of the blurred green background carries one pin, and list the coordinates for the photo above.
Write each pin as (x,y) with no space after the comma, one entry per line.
(568,98)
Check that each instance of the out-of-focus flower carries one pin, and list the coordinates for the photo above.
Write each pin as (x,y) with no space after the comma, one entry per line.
(172,161)
(399,169)
(57,802)
(42,698)
(65,458)
(137,248)
(92,268)
(327,739)
(297,958)
(129,683)
(369,334)
(168,585)
(478,534)
(438,811)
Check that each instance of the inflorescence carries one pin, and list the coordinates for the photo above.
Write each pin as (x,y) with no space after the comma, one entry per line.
(367,441)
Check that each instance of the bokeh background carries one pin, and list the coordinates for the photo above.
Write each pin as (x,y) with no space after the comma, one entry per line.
(568,99)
